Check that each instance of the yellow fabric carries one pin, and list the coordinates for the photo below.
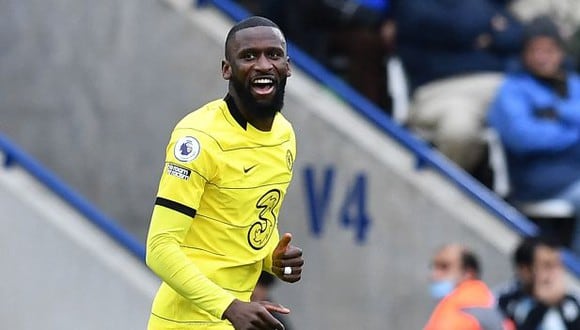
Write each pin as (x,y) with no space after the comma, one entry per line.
(236,182)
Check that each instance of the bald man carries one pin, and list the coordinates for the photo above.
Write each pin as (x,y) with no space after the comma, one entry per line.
(466,303)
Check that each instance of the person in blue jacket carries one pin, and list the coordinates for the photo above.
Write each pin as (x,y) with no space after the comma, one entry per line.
(455,53)
(537,115)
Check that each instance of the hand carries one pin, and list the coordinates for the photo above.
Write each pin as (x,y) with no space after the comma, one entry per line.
(254,315)
(286,255)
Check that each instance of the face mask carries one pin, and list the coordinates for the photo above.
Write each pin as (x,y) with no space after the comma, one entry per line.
(440,289)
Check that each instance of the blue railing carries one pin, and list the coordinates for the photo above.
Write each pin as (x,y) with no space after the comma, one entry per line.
(426,157)
(16,156)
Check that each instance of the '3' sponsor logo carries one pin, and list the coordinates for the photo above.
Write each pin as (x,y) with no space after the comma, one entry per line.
(261,230)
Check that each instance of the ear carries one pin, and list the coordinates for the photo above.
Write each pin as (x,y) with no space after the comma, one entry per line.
(288,67)
(226,70)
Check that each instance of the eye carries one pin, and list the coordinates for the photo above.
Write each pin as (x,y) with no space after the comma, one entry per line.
(248,56)
(275,54)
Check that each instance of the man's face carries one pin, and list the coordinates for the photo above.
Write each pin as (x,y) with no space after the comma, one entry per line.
(547,262)
(257,67)
(543,57)
(446,265)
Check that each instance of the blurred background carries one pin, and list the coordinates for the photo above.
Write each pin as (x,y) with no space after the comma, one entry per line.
(409,136)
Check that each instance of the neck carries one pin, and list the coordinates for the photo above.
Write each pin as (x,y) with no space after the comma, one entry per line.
(560,75)
(259,122)
(263,124)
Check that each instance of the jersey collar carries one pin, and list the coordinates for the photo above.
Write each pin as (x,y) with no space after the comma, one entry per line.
(235,112)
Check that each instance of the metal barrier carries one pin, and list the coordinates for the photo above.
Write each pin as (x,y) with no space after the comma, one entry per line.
(16,156)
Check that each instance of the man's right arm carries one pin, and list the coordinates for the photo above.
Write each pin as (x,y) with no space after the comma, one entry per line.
(164,256)
(513,116)
(188,168)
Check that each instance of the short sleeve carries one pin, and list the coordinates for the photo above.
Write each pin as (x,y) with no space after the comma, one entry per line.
(189,166)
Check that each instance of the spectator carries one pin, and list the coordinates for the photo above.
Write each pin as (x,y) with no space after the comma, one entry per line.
(454,52)
(466,302)
(543,304)
(537,115)
(522,263)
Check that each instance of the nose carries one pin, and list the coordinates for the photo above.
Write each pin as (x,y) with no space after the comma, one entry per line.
(436,273)
(263,63)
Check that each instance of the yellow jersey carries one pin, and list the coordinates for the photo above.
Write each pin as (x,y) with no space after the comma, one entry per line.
(215,221)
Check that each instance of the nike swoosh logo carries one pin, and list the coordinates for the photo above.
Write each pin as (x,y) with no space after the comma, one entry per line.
(246,170)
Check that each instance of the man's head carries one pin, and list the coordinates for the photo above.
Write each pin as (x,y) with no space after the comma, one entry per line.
(543,52)
(546,259)
(522,260)
(257,65)
(452,265)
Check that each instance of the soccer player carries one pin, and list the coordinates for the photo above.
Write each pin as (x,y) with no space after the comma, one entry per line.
(228,164)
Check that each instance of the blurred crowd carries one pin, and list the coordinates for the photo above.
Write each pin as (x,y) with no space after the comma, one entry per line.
(471,68)
(536,298)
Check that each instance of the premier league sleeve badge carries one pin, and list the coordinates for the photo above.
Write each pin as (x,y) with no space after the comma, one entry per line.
(186,149)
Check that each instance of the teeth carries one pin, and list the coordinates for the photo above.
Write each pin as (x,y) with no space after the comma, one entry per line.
(263,81)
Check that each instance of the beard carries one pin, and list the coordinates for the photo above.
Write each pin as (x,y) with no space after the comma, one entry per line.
(261,109)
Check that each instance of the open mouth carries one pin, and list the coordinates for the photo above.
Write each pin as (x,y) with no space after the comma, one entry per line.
(263,86)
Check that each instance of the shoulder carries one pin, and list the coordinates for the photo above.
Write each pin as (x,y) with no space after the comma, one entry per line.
(574,85)
(507,299)
(573,297)
(474,293)
(574,77)
(284,128)
(204,117)
(507,288)
(518,84)
(517,79)
(192,137)
(570,308)
(202,123)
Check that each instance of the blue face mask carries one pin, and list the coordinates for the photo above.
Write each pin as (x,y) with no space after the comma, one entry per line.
(440,289)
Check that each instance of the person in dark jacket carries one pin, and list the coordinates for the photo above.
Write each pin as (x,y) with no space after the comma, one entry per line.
(544,302)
